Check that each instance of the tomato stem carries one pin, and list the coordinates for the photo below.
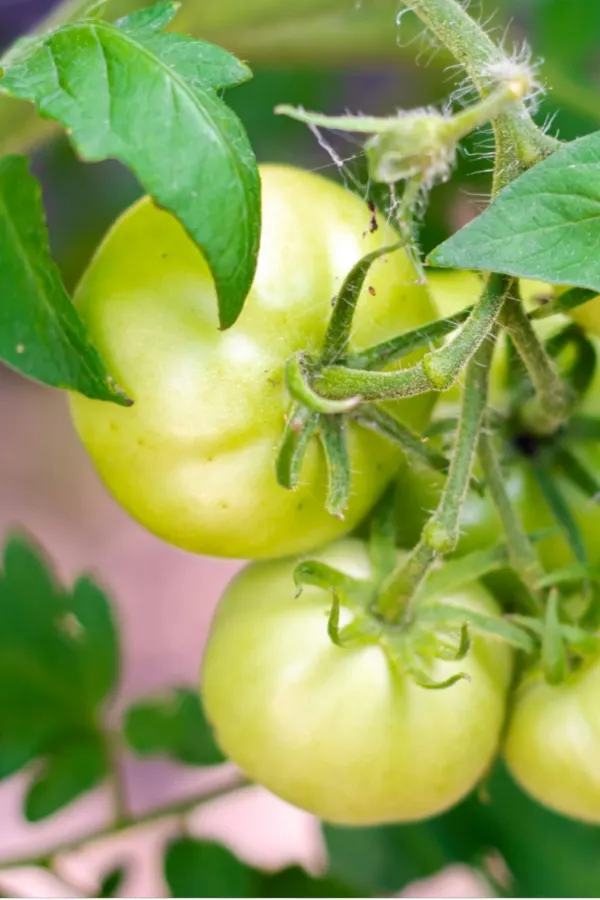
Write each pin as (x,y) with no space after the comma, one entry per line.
(441,533)
(521,553)
(519,141)
(553,399)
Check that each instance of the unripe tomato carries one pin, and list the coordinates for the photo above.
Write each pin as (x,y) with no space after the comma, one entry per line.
(339,731)
(194,458)
(553,742)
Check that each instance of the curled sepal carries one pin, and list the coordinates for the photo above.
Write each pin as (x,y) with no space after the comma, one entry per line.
(352,592)
(453,645)
(407,661)
(340,324)
(298,385)
(554,655)
(501,629)
(380,355)
(333,623)
(375,418)
(577,639)
(339,473)
(299,429)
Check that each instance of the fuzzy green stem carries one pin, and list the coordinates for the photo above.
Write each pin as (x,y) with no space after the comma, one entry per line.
(519,142)
(441,533)
(553,399)
(443,366)
(437,371)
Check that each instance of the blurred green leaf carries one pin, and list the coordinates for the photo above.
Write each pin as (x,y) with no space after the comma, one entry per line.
(66,773)
(129,92)
(546,854)
(98,640)
(544,225)
(172,724)
(58,662)
(567,33)
(41,334)
(387,858)
(296,882)
(198,869)
(112,882)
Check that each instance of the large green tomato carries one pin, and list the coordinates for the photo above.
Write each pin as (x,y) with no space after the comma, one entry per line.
(194,458)
(339,732)
(553,742)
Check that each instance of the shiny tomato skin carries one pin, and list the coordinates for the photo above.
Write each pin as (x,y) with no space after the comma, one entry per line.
(338,731)
(194,459)
(553,742)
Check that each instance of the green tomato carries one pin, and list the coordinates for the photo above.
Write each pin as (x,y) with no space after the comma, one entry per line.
(553,742)
(194,459)
(339,731)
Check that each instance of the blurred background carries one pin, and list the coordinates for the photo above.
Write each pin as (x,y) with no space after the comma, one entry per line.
(329,55)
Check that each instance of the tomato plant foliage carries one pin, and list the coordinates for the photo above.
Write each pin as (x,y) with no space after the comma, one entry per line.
(256,368)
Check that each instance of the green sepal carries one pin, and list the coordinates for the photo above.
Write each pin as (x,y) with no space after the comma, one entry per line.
(553,657)
(380,355)
(351,592)
(413,446)
(449,616)
(333,437)
(299,429)
(338,333)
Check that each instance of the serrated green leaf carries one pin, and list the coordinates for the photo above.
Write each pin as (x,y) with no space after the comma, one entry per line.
(199,869)
(98,639)
(67,773)
(58,658)
(544,225)
(128,92)
(202,65)
(174,725)
(41,334)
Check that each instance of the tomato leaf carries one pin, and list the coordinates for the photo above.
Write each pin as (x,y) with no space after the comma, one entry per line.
(58,662)
(130,92)
(172,724)
(67,773)
(295,882)
(199,869)
(41,334)
(112,882)
(544,225)
(385,859)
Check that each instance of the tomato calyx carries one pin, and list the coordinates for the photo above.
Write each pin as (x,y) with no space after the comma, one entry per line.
(425,632)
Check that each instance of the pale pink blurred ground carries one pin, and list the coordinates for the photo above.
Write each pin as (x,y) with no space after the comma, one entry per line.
(165,599)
